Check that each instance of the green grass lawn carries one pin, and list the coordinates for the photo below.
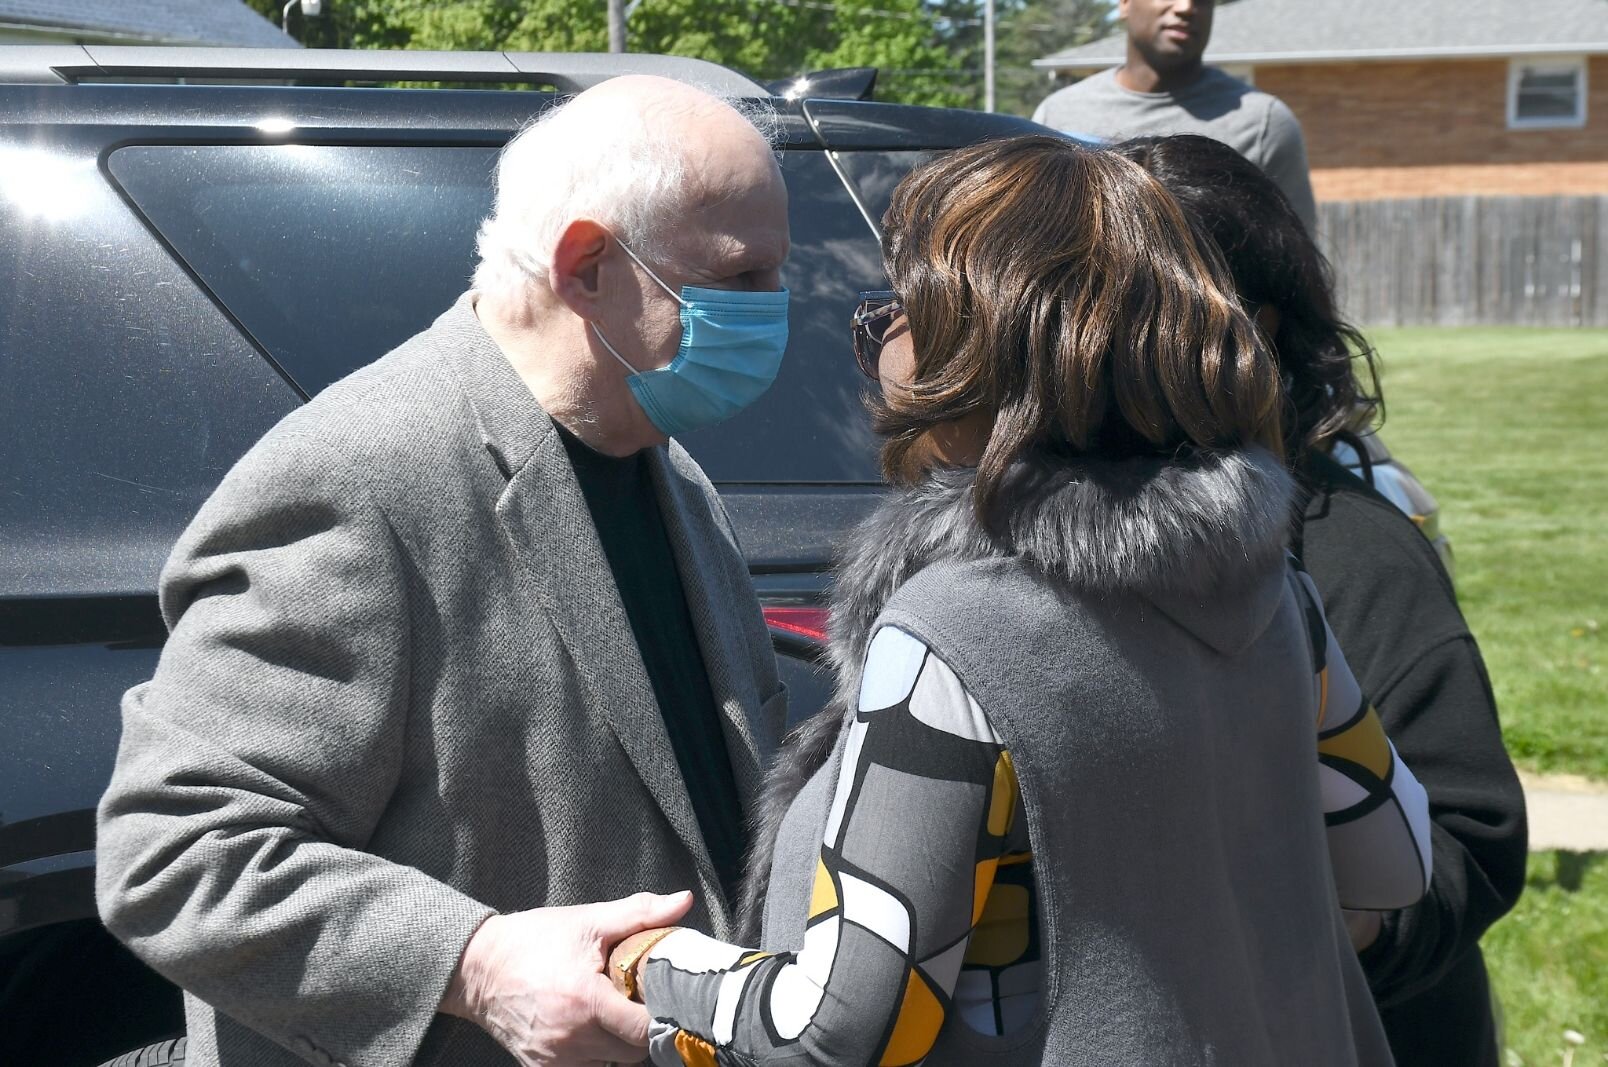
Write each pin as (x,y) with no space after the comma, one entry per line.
(1509,429)
(1549,961)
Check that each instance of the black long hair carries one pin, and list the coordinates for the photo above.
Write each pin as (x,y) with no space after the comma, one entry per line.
(1330,371)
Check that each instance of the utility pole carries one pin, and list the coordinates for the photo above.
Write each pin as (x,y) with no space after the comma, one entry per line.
(616,25)
(988,55)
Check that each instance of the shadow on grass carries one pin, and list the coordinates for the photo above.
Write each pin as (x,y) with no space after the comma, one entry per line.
(1568,874)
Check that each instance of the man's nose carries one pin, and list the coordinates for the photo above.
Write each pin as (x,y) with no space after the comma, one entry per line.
(1184,7)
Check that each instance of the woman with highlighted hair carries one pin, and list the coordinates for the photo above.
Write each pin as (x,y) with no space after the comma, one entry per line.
(1096,771)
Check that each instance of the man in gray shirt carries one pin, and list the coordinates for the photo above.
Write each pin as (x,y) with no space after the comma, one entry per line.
(1164,88)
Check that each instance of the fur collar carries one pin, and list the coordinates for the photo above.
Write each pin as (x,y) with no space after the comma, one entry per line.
(1149,526)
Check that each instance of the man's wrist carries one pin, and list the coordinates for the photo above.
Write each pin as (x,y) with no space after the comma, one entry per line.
(465,993)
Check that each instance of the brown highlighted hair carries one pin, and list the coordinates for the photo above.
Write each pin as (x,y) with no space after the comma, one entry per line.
(1062,289)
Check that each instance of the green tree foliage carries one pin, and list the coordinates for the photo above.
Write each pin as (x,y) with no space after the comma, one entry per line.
(768,39)
(904,41)
(1025,30)
(1037,28)
(960,27)
(453,25)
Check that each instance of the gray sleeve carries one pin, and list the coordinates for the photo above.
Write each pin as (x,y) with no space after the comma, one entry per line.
(256,764)
(1054,110)
(1284,159)
(922,814)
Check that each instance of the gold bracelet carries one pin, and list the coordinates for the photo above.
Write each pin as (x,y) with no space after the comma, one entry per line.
(628,966)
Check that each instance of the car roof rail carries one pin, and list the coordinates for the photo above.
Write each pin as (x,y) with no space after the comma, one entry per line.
(568,72)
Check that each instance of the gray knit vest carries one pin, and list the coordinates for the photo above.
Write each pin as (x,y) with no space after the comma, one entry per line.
(1166,752)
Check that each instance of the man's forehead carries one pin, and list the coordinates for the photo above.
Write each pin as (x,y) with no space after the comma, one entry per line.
(748,229)
(724,251)
(752,251)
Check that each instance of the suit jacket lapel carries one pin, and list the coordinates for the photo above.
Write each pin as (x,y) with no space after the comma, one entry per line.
(693,538)
(548,523)
(547,519)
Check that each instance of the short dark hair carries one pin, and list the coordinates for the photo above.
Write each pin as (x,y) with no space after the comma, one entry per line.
(1331,372)
(1062,289)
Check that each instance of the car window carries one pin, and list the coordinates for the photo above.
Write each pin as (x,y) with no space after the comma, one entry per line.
(124,393)
(875,174)
(329,256)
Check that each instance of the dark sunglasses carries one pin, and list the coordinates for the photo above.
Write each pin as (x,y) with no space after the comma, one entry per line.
(877,312)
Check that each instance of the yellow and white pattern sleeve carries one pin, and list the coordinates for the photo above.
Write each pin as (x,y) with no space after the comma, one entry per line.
(1376,813)
(925,814)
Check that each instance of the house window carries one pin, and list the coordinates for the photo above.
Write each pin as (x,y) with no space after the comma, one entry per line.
(1546,93)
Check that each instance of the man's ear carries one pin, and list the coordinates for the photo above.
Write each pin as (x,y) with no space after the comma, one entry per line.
(573,277)
(1122,9)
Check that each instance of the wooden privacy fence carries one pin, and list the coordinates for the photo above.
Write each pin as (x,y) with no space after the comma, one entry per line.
(1470,260)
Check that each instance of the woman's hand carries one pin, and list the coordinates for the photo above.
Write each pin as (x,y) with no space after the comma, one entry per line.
(626,959)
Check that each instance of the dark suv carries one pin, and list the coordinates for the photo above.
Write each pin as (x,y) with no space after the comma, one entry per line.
(192,243)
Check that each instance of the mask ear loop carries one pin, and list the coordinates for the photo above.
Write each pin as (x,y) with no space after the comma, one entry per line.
(613,351)
(658,281)
(649,270)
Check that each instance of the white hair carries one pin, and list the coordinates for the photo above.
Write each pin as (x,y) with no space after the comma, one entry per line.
(629,173)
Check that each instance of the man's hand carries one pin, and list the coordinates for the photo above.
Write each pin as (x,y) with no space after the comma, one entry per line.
(534,981)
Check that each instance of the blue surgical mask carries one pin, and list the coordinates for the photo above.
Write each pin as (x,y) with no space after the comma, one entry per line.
(731,349)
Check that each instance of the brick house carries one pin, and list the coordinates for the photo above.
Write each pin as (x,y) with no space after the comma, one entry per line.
(153,22)
(1429,98)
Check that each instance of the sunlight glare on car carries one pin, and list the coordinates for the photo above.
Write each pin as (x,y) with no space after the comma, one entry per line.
(42,185)
(274,126)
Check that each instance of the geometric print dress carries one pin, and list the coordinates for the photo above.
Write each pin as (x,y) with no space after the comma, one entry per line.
(923,902)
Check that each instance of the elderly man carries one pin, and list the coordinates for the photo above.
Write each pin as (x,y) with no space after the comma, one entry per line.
(1164,87)
(463,645)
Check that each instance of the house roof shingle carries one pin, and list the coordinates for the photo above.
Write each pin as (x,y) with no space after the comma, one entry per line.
(214,22)
(1267,31)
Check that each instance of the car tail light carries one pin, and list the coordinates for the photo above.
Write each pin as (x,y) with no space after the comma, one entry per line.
(808,623)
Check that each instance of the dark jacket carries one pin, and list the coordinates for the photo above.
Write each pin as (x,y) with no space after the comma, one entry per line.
(1392,607)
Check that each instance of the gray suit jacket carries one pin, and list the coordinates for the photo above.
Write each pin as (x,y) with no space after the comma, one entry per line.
(401,692)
